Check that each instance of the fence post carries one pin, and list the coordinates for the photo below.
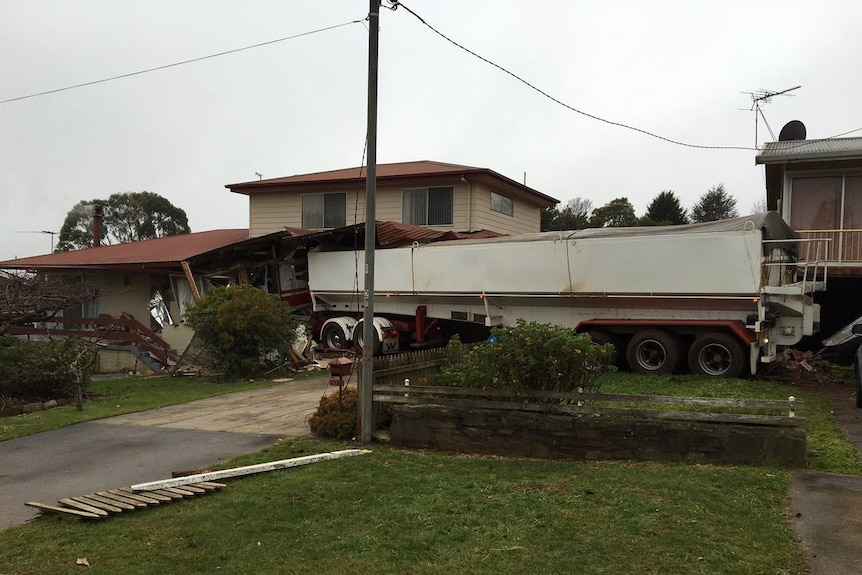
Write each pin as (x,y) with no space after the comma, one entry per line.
(406,387)
(792,413)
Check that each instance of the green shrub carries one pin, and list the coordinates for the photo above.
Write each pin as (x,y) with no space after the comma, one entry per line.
(335,419)
(240,325)
(530,356)
(43,369)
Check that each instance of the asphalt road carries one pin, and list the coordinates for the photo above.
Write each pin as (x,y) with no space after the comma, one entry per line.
(93,456)
(150,445)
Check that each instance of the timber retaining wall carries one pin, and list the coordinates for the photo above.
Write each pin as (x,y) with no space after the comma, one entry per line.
(596,437)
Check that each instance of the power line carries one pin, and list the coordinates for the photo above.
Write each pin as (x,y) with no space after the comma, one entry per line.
(397,3)
(148,70)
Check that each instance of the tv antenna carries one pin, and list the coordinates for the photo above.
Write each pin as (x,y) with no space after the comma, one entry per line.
(52,234)
(760,97)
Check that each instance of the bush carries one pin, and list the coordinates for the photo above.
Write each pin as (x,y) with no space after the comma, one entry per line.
(531,357)
(239,325)
(338,421)
(42,369)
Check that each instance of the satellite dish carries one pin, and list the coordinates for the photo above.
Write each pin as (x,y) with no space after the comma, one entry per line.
(792,130)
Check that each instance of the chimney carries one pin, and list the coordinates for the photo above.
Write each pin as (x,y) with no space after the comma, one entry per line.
(97,225)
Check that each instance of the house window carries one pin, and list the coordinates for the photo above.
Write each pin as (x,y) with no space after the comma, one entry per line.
(502,204)
(821,204)
(428,206)
(816,203)
(324,211)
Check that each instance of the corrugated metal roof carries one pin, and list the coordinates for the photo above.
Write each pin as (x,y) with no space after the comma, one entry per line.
(387,235)
(804,150)
(424,168)
(401,169)
(160,251)
(394,234)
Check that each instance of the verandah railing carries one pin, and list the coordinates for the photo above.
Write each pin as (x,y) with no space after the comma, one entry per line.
(106,328)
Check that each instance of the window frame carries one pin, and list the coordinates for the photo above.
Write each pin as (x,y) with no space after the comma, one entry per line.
(302,214)
(506,201)
(406,213)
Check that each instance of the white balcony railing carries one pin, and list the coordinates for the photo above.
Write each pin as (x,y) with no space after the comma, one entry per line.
(845,246)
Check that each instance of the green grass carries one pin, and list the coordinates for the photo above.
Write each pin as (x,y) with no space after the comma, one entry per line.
(118,396)
(416,512)
(828,448)
(433,513)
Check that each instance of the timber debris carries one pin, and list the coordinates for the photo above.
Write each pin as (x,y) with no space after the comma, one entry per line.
(105,503)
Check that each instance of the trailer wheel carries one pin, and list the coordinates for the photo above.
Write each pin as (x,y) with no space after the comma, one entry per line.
(333,336)
(359,338)
(653,352)
(603,338)
(717,355)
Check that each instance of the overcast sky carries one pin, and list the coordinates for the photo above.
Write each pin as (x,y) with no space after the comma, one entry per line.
(679,69)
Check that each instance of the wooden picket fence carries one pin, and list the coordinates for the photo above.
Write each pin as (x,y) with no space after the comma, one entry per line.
(417,366)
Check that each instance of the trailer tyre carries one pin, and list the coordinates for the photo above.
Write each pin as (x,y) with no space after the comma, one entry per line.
(333,336)
(359,338)
(717,355)
(654,352)
(604,338)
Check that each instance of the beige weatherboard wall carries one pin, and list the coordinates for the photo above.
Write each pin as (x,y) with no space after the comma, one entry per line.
(125,293)
(482,200)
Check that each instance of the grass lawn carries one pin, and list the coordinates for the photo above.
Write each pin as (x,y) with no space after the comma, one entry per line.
(395,511)
(426,513)
(118,396)
(828,448)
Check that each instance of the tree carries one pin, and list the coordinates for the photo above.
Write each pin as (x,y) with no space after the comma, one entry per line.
(616,213)
(665,210)
(36,297)
(759,207)
(573,216)
(50,366)
(127,217)
(714,205)
(239,325)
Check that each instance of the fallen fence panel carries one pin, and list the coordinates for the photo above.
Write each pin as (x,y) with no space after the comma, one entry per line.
(247,470)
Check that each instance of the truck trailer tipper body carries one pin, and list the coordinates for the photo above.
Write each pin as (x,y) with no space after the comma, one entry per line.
(718,297)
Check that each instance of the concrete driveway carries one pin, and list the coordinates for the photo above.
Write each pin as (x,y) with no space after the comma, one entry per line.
(149,445)
(280,410)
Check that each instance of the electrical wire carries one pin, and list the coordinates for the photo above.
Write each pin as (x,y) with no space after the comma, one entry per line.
(398,3)
(560,102)
(157,68)
(356,293)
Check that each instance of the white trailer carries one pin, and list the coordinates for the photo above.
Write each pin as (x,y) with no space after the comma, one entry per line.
(719,296)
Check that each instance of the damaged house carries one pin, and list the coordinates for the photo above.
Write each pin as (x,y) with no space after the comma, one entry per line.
(146,287)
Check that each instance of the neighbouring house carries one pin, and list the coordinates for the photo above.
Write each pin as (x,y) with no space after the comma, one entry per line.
(816,185)
(446,197)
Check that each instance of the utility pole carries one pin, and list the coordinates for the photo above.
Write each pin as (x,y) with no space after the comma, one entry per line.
(366,414)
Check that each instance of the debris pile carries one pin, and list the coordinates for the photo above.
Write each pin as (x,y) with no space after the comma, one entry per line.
(796,366)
